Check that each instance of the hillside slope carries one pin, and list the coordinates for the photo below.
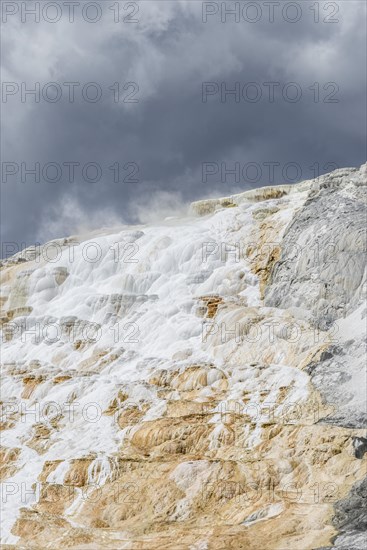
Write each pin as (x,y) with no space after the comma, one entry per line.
(193,384)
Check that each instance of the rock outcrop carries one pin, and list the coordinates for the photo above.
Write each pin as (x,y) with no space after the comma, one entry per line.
(195,384)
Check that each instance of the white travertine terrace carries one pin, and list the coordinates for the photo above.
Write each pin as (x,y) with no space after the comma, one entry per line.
(197,383)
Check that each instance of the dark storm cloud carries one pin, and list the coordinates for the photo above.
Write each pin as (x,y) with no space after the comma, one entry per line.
(170,132)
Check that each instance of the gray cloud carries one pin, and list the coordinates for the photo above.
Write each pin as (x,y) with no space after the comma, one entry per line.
(170,132)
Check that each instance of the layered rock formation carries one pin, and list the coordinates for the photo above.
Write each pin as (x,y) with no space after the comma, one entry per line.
(194,384)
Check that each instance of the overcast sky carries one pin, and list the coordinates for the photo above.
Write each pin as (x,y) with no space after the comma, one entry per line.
(168,137)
